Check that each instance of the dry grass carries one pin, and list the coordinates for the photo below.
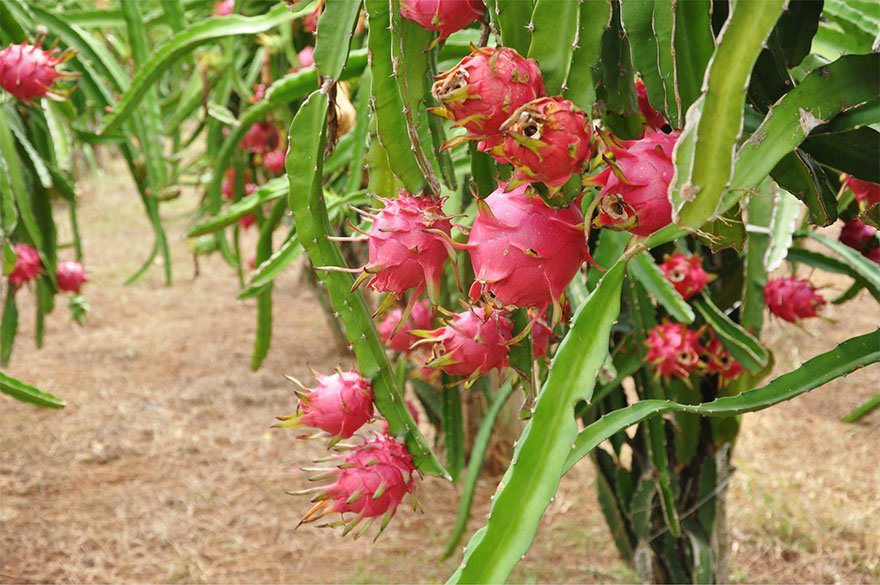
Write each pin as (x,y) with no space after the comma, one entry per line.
(163,468)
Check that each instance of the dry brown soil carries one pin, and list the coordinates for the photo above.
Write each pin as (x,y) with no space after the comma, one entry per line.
(163,467)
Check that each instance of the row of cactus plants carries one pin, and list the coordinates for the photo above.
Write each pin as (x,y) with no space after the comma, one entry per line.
(567,196)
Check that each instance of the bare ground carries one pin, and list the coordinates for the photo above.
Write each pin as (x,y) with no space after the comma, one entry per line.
(163,467)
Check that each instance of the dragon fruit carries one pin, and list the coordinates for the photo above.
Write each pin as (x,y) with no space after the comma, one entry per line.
(409,244)
(28,72)
(653,118)
(541,334)
(442,16)
(873,255)
(546,140)
(261,138)
(483,90)
(859,236)
(865,192)
(339,405)
(524,253)
(673,349)
(27,265)
(792,299)
(224,7)
(719,361)
(371,481)
(685,273)
(634,198)
(471,344)
(227,186)
(275,160)
(420,317)
(306,57)
(70,276)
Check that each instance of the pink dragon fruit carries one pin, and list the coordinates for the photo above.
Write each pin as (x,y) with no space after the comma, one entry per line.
(28,72)
(339,405)
(483,90)
(546,140)
(261,138)
(673,349)
(859,236)
(409,244)
(686,273)
(224,7)
(524,253)
(227,187)
(541,334)
(653,118)
(306,57)
(442,16)
(719,361)
(371,481)
(873,255)
(637,201)
(792,299)
(865,192)
(275,160)
(70,276)
(420,317)
(471,344)
(27,265)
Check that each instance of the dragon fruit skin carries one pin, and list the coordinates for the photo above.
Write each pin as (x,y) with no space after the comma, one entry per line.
(541,334)
(546,140)
(275,161)
(224,7)
(28,72)
(420,317)
(442,16)
(471,343)
(409,245)
(653,118)
(27,265)
(792,299)
(523,252)
(859,236)
(339,405)
(261,138)
(639,203)
(371,481)
(674,350)
(686,273)
(70,276)
(719,361)
(482,91)
(865,192)
(306,57)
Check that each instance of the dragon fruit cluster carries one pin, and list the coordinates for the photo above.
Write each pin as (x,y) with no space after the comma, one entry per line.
(29,72)
(676,351)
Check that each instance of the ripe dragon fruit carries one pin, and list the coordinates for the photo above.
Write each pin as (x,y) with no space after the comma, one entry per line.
(371,481)
(541,334)
(483,90)
(719,361)
(546,140)
(859,236)
(442,16)
(792,299)
(653,118)
(685,273)
(865,192)
(224,7)
(471,344)
(409,244)
(673,349)
(70,276)
(420,317)
(275,161)
(27,265)
(306,57)
(637,201)
(524,253)
(261,138)
(339,405)
(28,72)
